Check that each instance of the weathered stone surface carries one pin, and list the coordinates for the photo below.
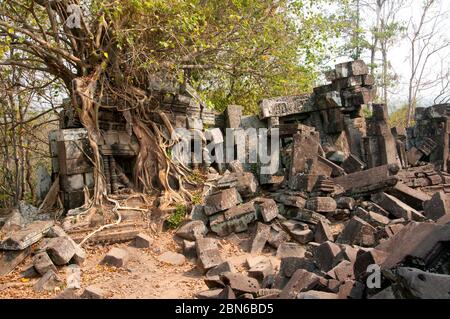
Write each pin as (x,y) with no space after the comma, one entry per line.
(386,293)
(307,216)
(220,269)
(290,250)
(342,271)
(374,219)
(282,106)
(366,258)
(172,258)
(227,293)
(142,241)
(208,253)
(321,204)
(345,202)
(415,241)
(315,294)
(357,232)
(116,257)
(413,197)
(10,259)
(437,206)
(191,230)
(56,231)
(42,263)
(371,179)
(240,283)
(209,294)
(26,237)
(325,254)
(61,250)
(261,270)
(235,219)
(48,282)
(252,261)
(189,249)
(418,284)
(300,281)
(353,68)
(347,253)
(353,164)
(198,213)
(351,290)
(299,231)
(290,264)
(267,209)
(323,232)
(236,166)
(289,199)
(221,201)
(396,207)
(304,152)
(245,183)
(93,292)
(262,235)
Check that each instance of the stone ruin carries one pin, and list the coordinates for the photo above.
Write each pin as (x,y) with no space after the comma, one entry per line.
(353,198)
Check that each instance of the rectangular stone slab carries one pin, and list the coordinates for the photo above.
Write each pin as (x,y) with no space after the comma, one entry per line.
(26,237)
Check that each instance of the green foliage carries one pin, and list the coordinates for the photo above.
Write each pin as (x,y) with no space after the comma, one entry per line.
(399,117)
(197,198)
(177,217)
(236,51)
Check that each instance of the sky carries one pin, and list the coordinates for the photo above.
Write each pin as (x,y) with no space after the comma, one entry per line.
(399,54)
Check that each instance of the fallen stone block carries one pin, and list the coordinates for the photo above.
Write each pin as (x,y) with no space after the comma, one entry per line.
(236,167)
(345,203)
(290,250)
(386,293)
(48,282)
(9,260)
(302,236)
(289,199)
(189,249)
(364,259)
(116,257)
(93,292)
(437,206)
(208,253)
(369,180)
(252,261)
(210,294)
(42,263)
(347,253)
(220,269)
(240,284)
(172,258)
(291,264)
(245,183)
(321,204)
(307,216)
(191,230)
(413,197)
(227,293)
(418,284)
(351,289)
(60,250)
(340,214)
(56,231)
(235,219)
(353,68)
(323,232)
(396,207)
(315,294)
(325,254)
(353,164)
(142,241)
(301,280)
(415,242)
(277,236)
(221,201)
(214,282)
(357,232)
(261,270)
(267,209)
(342,271)
(26,237)
(198,213)
(262,235)
(374,219)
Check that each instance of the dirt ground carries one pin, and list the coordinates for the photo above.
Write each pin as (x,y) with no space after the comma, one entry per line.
(144,276)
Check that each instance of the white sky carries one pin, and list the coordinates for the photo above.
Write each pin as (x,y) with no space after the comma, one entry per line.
(399,54)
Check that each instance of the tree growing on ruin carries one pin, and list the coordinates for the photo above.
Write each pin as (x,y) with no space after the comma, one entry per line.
(233,51)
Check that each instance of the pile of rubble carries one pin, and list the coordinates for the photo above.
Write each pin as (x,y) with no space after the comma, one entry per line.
(353,202)
(349,201)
